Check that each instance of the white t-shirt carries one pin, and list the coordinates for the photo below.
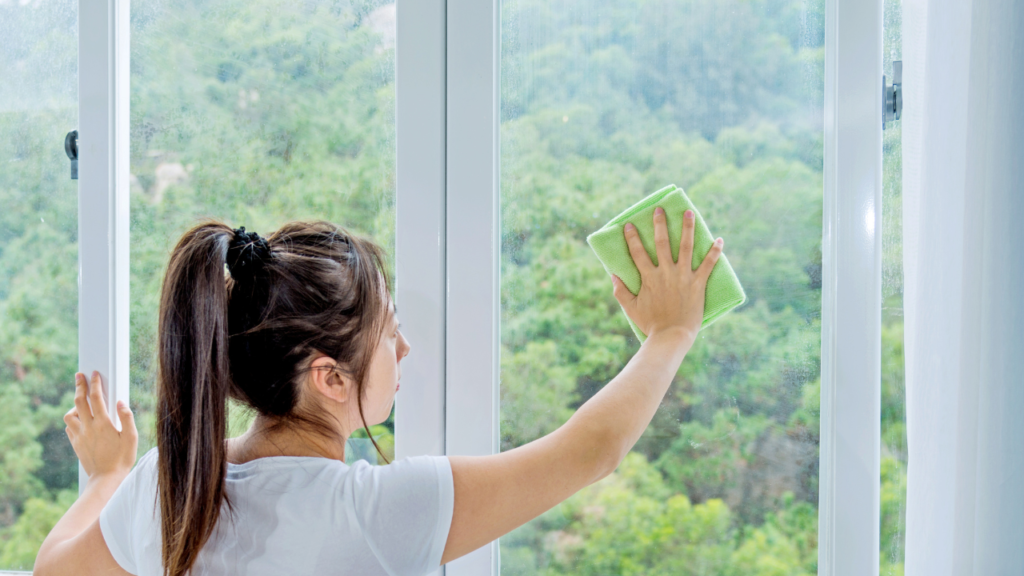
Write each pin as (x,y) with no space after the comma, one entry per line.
(299,515)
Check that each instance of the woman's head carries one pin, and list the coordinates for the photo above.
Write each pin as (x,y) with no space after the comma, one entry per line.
(299,326)
(307,310)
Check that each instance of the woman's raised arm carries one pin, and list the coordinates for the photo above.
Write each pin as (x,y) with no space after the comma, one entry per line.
(498,493)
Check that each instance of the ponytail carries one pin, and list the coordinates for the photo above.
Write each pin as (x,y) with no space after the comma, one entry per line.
(194,380)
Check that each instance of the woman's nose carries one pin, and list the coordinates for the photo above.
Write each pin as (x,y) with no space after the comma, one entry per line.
(403,346)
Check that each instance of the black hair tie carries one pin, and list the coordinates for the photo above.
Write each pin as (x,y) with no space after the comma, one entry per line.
(247,253)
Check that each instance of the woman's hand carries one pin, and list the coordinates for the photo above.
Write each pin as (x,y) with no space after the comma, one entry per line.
(75,545)
(100,448)
(671,296)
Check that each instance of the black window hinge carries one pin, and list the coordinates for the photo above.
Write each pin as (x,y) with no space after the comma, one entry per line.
(71,149)
(892,95)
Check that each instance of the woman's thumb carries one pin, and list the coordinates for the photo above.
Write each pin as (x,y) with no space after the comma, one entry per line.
(621,293)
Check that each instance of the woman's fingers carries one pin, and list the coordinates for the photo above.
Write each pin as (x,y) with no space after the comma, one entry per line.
(710,259)
(72,420)
(661,237)
(81,403)
(686,240)
(127,420)
(636,250)
(98,399)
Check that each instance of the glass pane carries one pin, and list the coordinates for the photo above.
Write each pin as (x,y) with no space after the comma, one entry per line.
(603,103)
(255,112)
(894,430)
(38,272)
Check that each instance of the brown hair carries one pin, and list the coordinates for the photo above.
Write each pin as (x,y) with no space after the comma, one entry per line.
(309,288)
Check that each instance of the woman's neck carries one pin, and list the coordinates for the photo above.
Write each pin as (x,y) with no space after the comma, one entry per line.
(268,437)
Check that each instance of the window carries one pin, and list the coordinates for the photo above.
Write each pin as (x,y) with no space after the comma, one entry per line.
(893,495)
(524,126)
(601,104)
(38,272)
(255,113)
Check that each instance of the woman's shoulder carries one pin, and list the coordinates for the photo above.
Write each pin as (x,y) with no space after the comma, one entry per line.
(415,474)
(143,478)
(410,465)
(145,470)
(148,459)
(359,476)
(407,465)
(405,510)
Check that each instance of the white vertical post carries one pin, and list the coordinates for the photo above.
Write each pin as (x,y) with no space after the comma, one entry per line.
(103,195)
(473,243)
(851,298)
(420,240)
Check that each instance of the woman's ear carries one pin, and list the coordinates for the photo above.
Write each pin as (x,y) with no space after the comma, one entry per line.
(329,381)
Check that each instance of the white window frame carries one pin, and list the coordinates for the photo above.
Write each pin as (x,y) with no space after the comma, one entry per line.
(851,311)
(447,162)
(447,276)
(851,257)
(103,196)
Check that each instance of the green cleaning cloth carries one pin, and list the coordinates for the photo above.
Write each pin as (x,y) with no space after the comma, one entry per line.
(723,292)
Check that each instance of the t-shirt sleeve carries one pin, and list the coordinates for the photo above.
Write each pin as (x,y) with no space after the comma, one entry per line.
(116,518)
(405,510)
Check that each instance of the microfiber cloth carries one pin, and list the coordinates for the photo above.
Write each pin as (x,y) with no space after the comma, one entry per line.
(723,292)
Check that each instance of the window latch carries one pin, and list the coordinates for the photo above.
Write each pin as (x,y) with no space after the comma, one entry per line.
(71,149)
(892,95)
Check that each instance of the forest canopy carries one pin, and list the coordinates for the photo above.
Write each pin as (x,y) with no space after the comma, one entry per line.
(259,112)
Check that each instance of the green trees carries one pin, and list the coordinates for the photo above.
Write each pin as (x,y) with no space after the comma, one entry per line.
(255,114)
(258,112)
(38,285)
(631,523)
(600,106)
(22,539)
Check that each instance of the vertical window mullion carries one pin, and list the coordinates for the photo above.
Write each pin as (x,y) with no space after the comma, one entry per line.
(420,212)
(103,215)
(851,299)
(472,243)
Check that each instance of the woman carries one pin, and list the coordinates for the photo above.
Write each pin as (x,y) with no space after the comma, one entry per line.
(302,329)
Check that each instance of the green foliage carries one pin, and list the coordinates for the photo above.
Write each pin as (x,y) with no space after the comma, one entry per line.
(786,544)
(893,497)
(599,109)
(536,391)
(21,455)
(361,447)
(706,462)
(20,542)
(766,552)
(631,523)
(894,428)
(240,417)
(256,114)
(702,64)
(38,289)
